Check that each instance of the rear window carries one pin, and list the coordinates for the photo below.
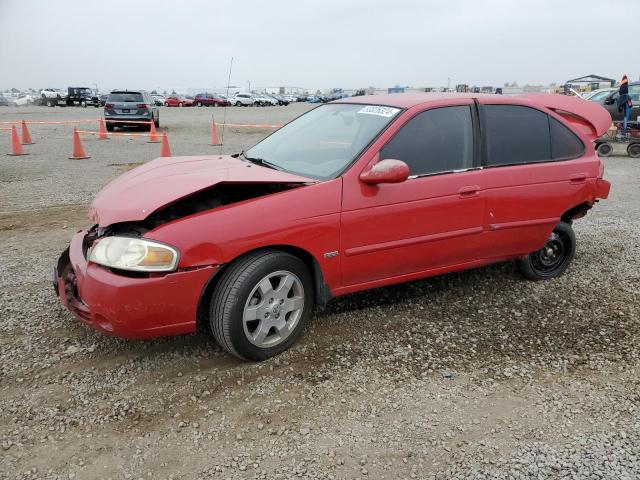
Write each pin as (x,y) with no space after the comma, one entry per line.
(125,97)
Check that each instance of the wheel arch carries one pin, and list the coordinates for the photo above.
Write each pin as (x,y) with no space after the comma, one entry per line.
(322,292)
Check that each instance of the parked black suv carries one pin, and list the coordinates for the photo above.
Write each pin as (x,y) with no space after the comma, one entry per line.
(82,96)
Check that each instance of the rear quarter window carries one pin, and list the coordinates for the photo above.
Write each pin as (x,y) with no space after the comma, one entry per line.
(564,143)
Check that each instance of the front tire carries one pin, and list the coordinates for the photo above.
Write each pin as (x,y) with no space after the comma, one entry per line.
(553,258)
(238,104)
(261,304)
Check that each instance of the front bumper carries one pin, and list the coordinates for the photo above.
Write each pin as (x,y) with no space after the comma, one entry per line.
(126,306)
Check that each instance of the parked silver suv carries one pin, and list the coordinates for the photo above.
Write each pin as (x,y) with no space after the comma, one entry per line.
(133,106)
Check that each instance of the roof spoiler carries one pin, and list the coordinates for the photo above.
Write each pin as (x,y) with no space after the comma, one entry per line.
(589,118)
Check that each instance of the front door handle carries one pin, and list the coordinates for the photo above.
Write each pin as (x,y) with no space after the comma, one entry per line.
(469,191)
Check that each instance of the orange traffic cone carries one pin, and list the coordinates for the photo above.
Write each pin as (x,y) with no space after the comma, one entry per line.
(26,136)
(78,152)
(102,130)
(16,147)
(165,151)
(214,133)
(153,134)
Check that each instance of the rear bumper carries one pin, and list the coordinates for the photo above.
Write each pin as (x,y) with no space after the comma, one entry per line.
(124,121)
(602,188)
(128,307)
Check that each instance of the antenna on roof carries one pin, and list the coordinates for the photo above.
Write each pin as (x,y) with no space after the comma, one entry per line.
(224,115)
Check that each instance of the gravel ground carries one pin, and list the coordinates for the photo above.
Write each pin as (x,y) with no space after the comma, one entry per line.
(478,374)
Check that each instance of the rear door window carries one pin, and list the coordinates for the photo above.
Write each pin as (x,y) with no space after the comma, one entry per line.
(435,141)
(516,135)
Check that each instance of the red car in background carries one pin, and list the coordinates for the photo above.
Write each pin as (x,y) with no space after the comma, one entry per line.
(178,101)
(209,100)
(355,194)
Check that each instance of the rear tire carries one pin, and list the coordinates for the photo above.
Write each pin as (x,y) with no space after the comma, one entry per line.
(261,304)
(633,150)
(604,149)
(199,104)
(238,104)
(110,127)
(553,258)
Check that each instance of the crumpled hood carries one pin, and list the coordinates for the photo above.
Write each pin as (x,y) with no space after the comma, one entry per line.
(160,182)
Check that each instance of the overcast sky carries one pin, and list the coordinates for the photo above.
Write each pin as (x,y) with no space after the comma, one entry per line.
(312,44)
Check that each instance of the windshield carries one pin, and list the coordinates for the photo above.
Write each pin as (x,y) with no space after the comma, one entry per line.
(324,141)
(599,95)
(125,97)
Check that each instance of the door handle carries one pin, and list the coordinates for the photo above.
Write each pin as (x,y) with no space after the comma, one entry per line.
(578,178)
(469,191)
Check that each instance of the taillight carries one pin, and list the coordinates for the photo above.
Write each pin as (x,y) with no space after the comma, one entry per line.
(143,105)
(108,105)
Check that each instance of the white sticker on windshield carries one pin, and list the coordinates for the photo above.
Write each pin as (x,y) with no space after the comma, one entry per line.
(378,110)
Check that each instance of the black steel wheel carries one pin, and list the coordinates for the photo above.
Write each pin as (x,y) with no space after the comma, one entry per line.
(553,258)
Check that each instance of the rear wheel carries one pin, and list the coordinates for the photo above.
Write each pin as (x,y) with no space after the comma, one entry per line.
(260,305)
(180,104)
(553,258)
(633,150)
(604,149)
(238,104)
(110,127)
(199,104)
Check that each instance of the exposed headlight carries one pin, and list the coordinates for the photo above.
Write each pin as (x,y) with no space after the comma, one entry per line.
(137,254)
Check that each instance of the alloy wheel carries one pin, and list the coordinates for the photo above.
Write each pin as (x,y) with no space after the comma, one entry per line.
(273,309)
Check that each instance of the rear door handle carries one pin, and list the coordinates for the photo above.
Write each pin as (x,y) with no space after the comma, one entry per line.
(469,191)
(578,178)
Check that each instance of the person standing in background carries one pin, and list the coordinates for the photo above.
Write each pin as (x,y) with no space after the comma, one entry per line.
(624,101)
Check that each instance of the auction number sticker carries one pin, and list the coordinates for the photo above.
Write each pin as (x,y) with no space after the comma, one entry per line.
(378,110)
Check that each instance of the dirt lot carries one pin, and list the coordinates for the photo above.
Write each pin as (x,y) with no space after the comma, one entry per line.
(479,374)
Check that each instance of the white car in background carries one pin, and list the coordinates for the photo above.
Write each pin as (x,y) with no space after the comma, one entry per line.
(243,100)
(22,100)
(53,93)
(264,100)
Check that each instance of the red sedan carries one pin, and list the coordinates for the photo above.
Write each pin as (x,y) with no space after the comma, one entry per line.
(353,195)
(178,101)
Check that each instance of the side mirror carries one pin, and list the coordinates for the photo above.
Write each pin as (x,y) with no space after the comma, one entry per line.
(386,171)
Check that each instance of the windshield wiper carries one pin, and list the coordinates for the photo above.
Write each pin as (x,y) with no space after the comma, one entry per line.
(260,161)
